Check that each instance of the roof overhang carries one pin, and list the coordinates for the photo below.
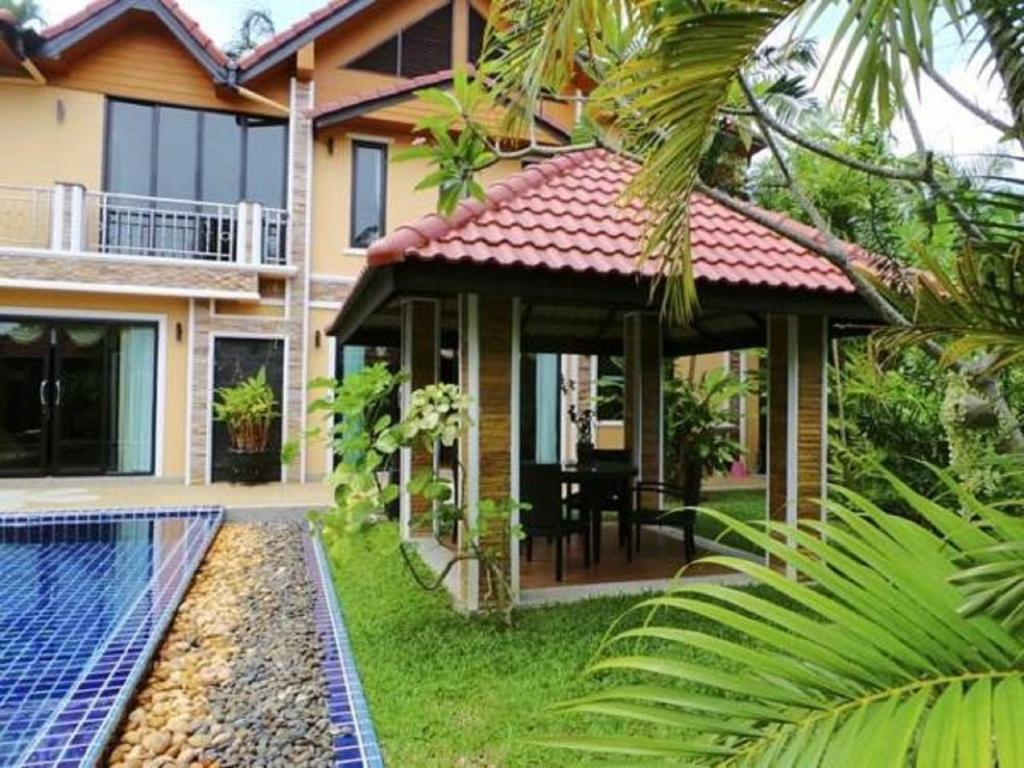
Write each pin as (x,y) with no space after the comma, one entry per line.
(580,313)
(55,45)
(291,43)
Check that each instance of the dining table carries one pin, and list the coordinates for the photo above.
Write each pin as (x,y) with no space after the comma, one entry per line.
(596,487)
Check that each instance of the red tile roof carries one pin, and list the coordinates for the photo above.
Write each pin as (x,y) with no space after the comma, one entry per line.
(191,25)
(568,214)
(286,35)
(397,89)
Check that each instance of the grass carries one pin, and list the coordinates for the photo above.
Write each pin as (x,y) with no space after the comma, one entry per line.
(741,505)
(447,691)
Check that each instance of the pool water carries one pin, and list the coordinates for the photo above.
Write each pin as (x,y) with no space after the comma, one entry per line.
(84,601)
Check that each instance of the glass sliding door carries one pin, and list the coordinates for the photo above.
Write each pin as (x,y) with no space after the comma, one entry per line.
(24,384)
(76,398)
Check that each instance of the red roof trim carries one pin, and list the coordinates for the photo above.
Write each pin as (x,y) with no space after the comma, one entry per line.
(567,214)
(286,35)
(398,89)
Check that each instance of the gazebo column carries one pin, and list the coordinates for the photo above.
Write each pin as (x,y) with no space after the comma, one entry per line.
(797,416)
(420,357)
(489,349)
(642,422)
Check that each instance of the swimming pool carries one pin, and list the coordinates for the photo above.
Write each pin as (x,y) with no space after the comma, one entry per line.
(84,601)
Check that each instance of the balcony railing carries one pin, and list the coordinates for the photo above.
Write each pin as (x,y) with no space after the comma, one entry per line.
(68,218)
(25,216)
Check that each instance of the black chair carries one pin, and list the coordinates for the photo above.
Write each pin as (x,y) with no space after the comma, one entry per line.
(541,488)
(600,496)
(656,503)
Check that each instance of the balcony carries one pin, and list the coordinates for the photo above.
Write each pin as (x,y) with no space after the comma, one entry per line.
(68,219)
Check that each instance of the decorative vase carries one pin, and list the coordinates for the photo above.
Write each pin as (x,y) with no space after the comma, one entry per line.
(585,453)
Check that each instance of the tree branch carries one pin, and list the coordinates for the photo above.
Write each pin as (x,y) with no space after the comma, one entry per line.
(898,174)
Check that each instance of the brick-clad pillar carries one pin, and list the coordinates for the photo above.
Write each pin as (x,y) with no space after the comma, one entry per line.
(420,351)
(642,346)
(797,413)
(489,453)
(300,167)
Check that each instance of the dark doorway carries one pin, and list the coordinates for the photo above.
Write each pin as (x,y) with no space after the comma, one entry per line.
(76,397)
(234,360)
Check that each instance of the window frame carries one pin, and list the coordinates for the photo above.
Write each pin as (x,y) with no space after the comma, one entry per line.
(382,201)
(154,148)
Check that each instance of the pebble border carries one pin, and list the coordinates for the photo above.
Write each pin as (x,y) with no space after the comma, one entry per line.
(355,745)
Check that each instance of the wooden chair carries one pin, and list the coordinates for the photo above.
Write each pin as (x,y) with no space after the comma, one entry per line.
(541,488)
(656,503)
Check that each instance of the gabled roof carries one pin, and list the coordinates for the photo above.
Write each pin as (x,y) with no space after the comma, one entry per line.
(355,105)
(79,26)
(286,42)
(567,215)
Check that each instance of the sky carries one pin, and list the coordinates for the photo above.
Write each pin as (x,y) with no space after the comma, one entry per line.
(947,127)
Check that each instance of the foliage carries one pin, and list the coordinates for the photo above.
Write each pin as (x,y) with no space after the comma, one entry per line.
(365,439)
(873,662)
(27,13)
(449,691)
(697,414)
(248,409)
(746,506)
(885,416)
(256,25)
(889,219)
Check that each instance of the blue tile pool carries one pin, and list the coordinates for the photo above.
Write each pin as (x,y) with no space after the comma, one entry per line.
(84,601)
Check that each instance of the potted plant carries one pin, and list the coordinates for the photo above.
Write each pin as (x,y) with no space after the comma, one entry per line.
(248,409)
(583,420)
(698,418)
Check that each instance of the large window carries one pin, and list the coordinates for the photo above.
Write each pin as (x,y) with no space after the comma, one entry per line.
(369,190)
(152,149)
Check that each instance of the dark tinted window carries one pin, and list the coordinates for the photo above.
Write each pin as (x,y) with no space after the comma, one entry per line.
(427,44)
(383,58)
(129,148)
(369,165)
(264,163)
(199,155)
(421,48)
(222,159)
(177,152)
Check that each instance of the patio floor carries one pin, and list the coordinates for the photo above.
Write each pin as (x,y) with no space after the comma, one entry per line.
(107,493)
(660,557)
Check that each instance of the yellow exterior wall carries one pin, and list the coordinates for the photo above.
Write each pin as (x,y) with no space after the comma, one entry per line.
(319,363)
(332,197)
(40,149)
(175,370)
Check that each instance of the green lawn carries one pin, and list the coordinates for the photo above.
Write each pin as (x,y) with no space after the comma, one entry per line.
(741,505)
(448,691)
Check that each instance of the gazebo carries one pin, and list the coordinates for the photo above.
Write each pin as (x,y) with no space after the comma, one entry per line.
(549,263)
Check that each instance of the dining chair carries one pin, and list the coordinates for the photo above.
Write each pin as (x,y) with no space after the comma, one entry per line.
(661,504)
(541,488)
(603,495)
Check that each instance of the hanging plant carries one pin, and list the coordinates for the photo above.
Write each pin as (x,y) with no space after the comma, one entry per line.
(248,409)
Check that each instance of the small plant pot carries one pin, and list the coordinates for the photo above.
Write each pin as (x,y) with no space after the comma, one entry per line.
(253,468)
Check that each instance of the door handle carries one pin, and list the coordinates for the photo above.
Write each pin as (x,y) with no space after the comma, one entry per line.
(42,392)
(58,389)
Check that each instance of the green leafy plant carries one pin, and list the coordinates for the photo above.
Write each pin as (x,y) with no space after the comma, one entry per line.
(366,439)
(698,415)
(870,656)
(248,409)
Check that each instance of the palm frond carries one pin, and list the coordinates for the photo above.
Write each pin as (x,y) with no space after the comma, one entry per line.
(866,658)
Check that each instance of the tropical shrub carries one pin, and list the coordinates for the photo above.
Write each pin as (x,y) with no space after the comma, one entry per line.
(248,409)
(870,656)
(366,440)
(698,415)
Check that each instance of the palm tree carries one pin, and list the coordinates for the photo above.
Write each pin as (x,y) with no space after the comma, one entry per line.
(256,26)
